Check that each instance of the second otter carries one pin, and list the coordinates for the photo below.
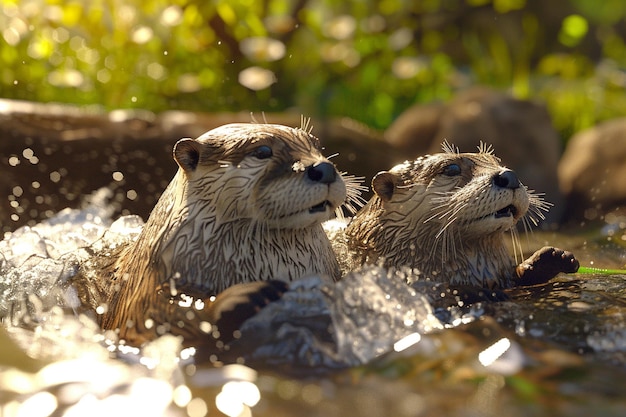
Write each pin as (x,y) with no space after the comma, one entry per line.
(446,216)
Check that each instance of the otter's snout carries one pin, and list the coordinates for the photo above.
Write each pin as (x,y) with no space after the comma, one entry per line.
(323,172)
(506,179)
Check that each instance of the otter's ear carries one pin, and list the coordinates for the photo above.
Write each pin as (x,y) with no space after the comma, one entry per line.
(187,154)
(384,185)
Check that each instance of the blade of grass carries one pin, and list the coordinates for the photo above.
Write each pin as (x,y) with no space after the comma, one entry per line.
(602,271)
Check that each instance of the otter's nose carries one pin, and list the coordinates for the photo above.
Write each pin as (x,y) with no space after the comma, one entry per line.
(506,179)
(323,172)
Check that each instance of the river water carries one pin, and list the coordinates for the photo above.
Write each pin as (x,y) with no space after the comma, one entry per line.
(367,346)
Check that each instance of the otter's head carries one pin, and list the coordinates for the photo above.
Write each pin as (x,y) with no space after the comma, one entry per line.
(271,174)
(466,193)
(441,207)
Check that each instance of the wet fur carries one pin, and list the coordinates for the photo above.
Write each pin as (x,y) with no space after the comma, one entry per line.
(422,218)
(227,218)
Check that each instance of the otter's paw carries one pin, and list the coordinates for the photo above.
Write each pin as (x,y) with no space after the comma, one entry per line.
(544,265)
(238,303)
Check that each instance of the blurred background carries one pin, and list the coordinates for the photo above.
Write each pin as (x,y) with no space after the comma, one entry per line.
(383,81)
(368,60)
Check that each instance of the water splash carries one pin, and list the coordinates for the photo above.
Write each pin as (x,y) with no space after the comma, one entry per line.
(314,328)
(320,326)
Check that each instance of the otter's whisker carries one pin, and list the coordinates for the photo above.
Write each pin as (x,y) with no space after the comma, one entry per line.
(339,215)
(451,214)
(354,188)
(451,211)
(444,248)
(448,248)
(454,236)
(305,124)
(536,214)
(442,205)
(537,206)
(449,148)
(445,242)
(434,247)
(485,148)
(444,197)
(437,214)
(445,227)
(517,246)
(441,202)
(527,229)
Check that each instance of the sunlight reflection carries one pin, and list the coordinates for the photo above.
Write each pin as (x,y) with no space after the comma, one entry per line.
(197,408)
(492,353)
(181,395)
(407,342)
(41,404)
(256,78)
(147,396)
(20,382)
(262,49)
(158,394)
(218,376)
(236,396)
(71,371)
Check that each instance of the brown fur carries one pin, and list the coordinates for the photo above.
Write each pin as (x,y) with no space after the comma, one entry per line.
(436,214)
(231,215)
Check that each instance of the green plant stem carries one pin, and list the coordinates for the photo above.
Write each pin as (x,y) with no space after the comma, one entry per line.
(603,271)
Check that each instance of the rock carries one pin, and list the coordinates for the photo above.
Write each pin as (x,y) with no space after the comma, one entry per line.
(55,155)
(520,131)
(592,172)
(415,129)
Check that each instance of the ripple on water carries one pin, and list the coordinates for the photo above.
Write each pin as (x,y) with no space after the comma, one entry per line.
(314,328)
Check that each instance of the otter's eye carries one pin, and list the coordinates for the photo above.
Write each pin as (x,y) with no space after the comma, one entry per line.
(262,152)
(452,170)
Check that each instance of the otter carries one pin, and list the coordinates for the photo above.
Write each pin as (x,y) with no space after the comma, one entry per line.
(446,215)
(242,215)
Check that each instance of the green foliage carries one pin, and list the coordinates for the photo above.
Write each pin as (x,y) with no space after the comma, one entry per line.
(360,58)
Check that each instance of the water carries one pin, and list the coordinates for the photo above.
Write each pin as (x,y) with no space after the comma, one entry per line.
(368,346)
